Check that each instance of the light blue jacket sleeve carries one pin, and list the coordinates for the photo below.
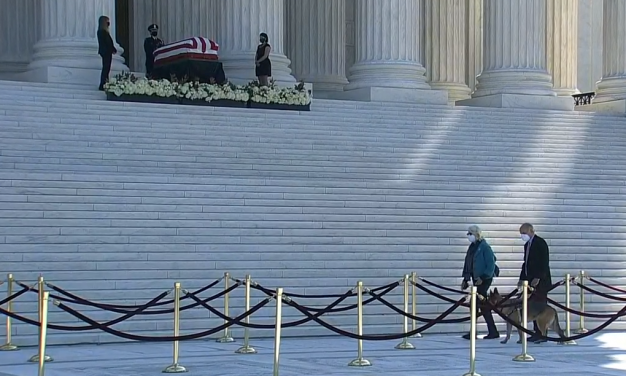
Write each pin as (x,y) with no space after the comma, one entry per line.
(484,261)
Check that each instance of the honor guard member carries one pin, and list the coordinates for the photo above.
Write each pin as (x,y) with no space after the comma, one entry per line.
(150,44)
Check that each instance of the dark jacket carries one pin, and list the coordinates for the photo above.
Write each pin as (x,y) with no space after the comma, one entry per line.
(150,45)
(480,262)
(537,264)
(106,47)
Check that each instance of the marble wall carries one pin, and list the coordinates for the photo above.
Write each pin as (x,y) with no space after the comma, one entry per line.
(589,44)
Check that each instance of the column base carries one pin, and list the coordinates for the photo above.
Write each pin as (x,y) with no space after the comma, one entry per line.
(60,75)
(239,68)
(521,101)
(388,94)
(456,91)
(617,107)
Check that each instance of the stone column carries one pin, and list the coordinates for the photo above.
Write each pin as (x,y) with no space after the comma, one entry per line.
(67,48)
(389,47)
(562,48)
(316,42)
(445,47)
(514,58)
(238,25)
(18,36)
(612,86)
(474,44)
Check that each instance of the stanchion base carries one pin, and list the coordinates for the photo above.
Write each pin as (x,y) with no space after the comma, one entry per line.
(405,345)
(568,343)
(523,358)
(360,363)
(418,335)
(225,340)
(472,374)
(9,347)
(246,350)
(35,358)
(582,331)
(175,368)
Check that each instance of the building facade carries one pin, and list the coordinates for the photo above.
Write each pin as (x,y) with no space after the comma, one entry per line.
(534,53)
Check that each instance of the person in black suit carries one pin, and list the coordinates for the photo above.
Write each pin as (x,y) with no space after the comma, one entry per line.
(106,48)
(535,270)
(150,44)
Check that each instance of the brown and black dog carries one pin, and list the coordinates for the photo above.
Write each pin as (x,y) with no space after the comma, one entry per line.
(546,319)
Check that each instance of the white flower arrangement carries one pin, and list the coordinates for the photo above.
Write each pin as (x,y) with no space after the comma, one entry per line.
(297,95)
(128,84)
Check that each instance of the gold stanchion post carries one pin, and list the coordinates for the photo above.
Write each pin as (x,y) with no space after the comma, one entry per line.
(41,287)
(568,324)
(278,328)
(405,344)
(246,348)
(175,367)
(414,304)
(359,361)
(226,338)
(43,331)
(9,346)
(472,354)
(581,320)
(524,356)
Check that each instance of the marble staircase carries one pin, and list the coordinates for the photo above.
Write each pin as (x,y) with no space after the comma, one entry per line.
(117,201)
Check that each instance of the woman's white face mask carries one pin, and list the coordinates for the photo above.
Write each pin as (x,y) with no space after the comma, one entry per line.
(471,238)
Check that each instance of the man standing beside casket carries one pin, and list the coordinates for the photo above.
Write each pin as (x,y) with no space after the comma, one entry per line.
(150,44)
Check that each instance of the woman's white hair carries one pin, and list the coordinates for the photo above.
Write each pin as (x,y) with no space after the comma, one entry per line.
(476,231)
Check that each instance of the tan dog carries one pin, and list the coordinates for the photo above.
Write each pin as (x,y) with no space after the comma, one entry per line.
(546,319)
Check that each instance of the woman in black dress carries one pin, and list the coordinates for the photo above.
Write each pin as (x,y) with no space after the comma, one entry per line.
(263,64)
(106,48)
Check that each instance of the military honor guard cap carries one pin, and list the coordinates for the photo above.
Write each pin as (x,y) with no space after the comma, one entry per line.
(153,27)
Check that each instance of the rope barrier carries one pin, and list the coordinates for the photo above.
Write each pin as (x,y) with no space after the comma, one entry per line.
(600,283)
(310,313)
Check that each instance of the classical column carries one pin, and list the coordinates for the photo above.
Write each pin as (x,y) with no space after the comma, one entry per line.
(562,48)
(445,47)
(67,48)
(612,86)
(316,42)
(514,58)
(389,53)
(18,35)
(474,43)
(238,25)
(179,20)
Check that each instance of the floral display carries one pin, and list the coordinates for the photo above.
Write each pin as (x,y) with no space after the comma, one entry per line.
(127,84)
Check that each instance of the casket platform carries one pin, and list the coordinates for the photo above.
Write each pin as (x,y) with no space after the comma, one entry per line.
(195,58)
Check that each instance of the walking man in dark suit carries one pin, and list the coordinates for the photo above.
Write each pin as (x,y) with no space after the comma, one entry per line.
(535,270)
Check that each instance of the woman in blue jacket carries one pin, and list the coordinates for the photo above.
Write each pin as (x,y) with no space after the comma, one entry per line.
(480,268)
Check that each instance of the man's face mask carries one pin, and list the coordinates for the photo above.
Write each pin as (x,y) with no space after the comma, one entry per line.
(154,33)
(262,39)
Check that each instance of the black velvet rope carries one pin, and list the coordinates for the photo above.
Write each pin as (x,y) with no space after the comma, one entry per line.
(600,283)
(133,337)
(376,337)
(599,293)
(86,327)
(416,318)
(444,288)
(13,297)
(73,298)
(621,313)
(351,307)
(580,313)
(152,312)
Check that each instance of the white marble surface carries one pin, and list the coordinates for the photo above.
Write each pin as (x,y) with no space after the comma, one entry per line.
(521,101)
(612,86)
(316,40)
(562,45)
(589,44)
(435,355)
(446,47)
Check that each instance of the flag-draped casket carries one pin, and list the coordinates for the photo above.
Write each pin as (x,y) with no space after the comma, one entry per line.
(196,58)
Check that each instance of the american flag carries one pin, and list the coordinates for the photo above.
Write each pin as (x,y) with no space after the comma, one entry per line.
(196,48)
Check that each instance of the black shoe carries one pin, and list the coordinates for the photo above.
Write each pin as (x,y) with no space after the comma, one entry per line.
(540,340)
(467,336)
(492,336)
(101,88)
(533,338)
